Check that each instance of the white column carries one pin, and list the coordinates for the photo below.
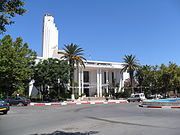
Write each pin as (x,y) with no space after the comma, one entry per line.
(82,82)
(107,81)
(115,89)
(100,83)
(120,81)
(97,82)
(79,81)
(31,87)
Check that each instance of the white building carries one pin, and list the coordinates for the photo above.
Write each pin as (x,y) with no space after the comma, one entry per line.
(50,37)
(96,78)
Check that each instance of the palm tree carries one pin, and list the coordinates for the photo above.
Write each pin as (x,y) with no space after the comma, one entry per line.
(74,56)
(131,64)
(140,76)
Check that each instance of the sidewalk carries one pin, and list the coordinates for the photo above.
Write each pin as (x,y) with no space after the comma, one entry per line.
(80,102)
(163,107)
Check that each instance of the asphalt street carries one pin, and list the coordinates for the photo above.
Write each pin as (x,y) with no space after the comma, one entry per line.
(107,119)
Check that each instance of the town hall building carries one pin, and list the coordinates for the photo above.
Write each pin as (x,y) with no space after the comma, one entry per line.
(95,79)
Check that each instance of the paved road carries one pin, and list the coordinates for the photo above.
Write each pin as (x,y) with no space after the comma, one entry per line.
(109,119)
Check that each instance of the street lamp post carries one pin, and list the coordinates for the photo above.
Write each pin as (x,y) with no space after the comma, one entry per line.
(58,86)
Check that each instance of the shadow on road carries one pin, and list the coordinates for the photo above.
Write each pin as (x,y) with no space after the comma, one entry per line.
(68,133)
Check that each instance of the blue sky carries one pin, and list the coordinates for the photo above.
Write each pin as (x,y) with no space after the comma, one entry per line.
(107,29)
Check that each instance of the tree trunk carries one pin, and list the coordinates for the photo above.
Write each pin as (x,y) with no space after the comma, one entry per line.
(72,80)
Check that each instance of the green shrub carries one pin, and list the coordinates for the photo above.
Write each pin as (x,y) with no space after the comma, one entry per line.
(125,94)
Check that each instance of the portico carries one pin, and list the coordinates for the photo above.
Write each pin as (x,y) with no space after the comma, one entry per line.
(98,77)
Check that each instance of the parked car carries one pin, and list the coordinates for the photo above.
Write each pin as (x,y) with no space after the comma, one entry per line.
(136,97)
(4,106)
(156,96)
(18,100)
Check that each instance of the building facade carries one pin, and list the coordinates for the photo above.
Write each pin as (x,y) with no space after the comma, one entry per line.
(96,79)
(99,78)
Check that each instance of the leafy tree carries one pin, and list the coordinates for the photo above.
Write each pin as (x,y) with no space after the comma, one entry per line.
(74,56)
(139,75)
(159,79)
(148,78)
(51,73)
(170,79)
(9,9)
(176,81)
(131,64)
(16,61)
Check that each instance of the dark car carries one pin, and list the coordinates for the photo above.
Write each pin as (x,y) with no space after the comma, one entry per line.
(4,106)
(19,101)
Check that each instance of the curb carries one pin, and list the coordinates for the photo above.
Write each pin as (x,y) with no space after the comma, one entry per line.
(78,103)
(163,107)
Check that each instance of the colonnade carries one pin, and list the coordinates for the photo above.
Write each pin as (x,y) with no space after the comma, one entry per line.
(100,88)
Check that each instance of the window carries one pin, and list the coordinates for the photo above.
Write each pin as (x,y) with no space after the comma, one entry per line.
(86,76)
(104,77)
(137,96)
(113,81)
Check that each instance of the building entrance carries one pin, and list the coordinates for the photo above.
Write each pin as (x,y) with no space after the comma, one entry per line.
(86,90)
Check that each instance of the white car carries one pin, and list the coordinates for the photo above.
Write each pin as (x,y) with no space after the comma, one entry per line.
(136,97)
(156,96)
